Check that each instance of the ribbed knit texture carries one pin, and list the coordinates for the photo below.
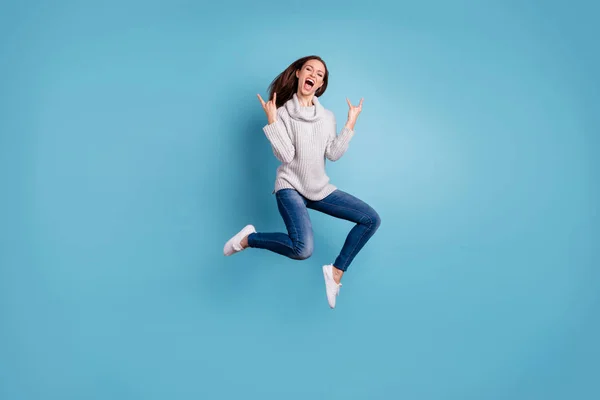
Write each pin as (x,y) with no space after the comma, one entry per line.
(302,138)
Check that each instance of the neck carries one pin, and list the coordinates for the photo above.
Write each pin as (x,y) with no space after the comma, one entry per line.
(299,108)
(305,101)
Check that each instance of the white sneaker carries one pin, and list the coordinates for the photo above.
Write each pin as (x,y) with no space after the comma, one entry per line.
(233,245)
(331,287)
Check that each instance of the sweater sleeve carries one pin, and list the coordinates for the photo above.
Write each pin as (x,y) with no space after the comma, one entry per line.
(282,145)
(338,144)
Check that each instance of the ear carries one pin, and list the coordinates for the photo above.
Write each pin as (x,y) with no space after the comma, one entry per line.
(297,74)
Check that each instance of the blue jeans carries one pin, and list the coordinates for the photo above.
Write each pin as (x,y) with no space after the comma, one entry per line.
(298,243)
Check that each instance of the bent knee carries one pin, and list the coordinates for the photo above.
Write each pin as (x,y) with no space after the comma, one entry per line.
(303,251)
(372,220)
(376,220)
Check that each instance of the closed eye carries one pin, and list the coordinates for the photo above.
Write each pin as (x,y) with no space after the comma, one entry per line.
(309,68)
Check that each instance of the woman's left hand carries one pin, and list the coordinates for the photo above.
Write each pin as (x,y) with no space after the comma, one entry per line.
(353,113)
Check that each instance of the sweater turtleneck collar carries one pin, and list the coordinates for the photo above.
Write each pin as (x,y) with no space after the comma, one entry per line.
(307,114)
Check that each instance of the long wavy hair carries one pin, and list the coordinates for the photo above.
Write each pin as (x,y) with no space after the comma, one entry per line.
(286,83)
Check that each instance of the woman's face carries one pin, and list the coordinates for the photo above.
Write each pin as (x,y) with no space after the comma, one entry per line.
(310,77)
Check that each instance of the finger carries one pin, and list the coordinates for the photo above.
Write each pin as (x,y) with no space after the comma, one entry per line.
(348,101)
(361,101)
(261,100)
(274,97)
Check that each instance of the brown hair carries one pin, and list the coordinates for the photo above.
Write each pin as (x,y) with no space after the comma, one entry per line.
(286,83)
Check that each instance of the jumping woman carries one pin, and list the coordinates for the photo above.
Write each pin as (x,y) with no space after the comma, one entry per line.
(303,134)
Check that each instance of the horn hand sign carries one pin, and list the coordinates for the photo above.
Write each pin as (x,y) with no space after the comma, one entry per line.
(270,108)
(353,113)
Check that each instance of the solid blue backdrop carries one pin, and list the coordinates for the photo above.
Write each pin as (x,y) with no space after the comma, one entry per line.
(131,149)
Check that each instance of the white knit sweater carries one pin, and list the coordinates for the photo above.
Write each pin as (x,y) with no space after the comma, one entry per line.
(301,138)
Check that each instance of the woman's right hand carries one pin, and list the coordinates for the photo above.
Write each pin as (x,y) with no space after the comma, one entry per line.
(270,108)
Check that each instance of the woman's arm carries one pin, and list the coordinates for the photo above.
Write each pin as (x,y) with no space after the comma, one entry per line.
(338,144)
(276,131)
(281,142)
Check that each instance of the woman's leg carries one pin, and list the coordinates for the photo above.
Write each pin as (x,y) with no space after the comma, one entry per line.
(342,205)
(298,242)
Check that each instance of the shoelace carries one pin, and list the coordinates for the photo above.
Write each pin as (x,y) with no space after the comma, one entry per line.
(337,287)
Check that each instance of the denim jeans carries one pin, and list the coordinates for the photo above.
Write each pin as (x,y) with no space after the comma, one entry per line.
(298,242)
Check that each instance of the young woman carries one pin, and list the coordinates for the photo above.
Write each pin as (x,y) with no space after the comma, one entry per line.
(303,134)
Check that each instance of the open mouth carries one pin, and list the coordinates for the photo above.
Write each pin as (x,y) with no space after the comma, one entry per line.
(308,84)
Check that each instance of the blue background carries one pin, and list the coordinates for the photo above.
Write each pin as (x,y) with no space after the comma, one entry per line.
(131,149)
